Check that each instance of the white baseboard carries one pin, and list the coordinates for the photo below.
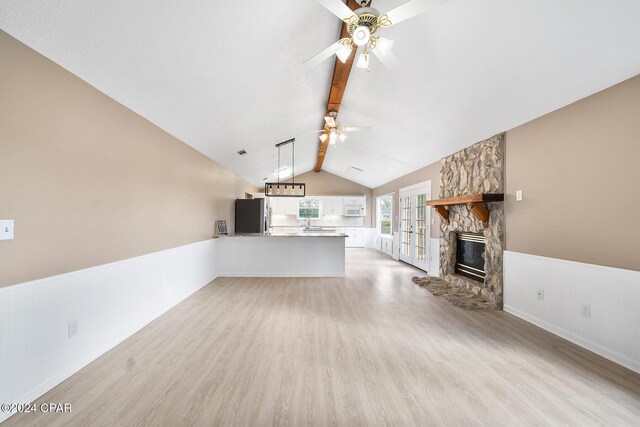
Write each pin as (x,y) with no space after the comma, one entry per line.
(110,303)
(613,295)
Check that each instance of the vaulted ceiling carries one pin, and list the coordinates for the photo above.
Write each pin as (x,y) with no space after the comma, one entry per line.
(227,75)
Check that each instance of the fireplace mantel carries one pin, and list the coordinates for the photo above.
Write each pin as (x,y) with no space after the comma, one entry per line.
(475,202)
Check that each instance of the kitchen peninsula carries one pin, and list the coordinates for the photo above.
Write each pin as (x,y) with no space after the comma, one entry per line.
(282,254)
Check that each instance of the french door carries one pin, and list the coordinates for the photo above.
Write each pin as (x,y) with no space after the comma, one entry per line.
(414,225)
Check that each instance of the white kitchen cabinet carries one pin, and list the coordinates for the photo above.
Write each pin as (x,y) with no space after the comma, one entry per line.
(292,205)
(275,205)
(332,205)
(284,205)
(354,200)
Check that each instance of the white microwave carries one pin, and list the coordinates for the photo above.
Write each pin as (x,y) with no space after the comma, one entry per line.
(353,210)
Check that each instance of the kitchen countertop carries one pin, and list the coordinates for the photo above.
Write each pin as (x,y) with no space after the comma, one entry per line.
(293,234)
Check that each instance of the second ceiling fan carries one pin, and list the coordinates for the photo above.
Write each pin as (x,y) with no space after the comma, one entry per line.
(334,132)
(363,25)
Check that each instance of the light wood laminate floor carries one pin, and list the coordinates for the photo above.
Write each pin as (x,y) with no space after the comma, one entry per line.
(368,349)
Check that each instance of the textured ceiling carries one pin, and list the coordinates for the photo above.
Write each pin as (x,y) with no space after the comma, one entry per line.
(227,75)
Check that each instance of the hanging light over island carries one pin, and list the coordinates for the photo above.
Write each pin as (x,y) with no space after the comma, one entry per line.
(289,189)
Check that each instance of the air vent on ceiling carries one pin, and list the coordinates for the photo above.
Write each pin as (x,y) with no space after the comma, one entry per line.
(242,152)
(354,169)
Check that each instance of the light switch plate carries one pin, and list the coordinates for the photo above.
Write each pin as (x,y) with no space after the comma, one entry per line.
(6,229)
(519,196)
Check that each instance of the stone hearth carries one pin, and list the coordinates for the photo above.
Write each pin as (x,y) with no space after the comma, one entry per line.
(460,297)
(477,169)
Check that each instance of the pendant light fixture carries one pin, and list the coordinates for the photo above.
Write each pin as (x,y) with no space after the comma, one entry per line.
(290,189)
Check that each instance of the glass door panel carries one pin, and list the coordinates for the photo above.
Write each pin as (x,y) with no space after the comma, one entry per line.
(420,228)
(414,226)
(405,228)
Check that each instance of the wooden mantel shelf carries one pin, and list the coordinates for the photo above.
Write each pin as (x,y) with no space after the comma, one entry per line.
(476,203)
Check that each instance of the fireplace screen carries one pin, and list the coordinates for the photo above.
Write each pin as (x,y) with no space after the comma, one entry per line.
(469,256)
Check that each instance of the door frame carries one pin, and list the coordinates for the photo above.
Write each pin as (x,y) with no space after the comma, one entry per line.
(412,191)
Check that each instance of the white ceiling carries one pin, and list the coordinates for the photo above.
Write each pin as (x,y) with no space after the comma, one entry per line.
(227,75)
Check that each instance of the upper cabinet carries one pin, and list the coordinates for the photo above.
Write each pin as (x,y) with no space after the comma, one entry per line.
(354,200)
(284,205)
(332,205)
(314,207)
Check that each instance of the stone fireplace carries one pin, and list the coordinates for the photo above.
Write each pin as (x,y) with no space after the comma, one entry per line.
(465,262)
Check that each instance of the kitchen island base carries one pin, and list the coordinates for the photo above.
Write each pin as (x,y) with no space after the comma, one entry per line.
(281,255)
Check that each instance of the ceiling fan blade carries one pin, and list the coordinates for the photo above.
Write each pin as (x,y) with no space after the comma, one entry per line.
(357,129)
(410,9)
(309,133)
(338,8)
(322,56)
(330,121)
(390,60)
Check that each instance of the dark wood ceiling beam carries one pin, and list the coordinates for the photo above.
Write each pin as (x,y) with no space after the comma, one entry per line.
(338,85)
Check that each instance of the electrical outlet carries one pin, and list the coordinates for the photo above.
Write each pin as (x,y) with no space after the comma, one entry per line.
(540,294)
(73,328)
(586,310)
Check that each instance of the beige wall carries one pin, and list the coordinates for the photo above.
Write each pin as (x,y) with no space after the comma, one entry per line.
(579,173)
(325,183)
(430,172)
(88,181)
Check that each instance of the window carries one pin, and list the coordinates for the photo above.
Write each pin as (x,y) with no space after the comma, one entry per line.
(384,213)
(309,208)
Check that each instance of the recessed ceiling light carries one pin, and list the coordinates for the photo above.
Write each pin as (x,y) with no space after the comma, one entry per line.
(242,152)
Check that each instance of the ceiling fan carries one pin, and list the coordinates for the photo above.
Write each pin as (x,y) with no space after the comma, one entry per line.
(334,131)
(363,25)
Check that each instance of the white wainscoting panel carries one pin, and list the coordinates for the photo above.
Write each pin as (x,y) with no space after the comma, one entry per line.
(110,302)
(613,294)
(370,238)
(280,256)
(396,245)
(434,261)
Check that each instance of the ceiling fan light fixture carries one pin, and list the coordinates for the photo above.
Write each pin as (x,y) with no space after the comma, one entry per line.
(383,45)
(344,53)
(342,137)
(361,35)
(323,137)
(363,60)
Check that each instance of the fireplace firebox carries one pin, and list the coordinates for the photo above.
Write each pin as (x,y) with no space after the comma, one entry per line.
(469,256)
